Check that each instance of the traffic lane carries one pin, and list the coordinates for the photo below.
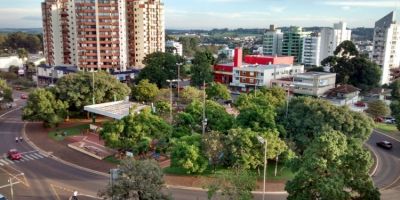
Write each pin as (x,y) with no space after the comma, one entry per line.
(52,171)
(387,171)
(185,194)
(11,127)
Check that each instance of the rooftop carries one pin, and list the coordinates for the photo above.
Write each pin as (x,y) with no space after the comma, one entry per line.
(343,89)
(317,74)
(115,110)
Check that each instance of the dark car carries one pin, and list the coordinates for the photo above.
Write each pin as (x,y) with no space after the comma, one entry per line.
(2,197)
(385,144)
(13,154)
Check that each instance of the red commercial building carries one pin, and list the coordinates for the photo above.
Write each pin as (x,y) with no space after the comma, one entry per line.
(223,72)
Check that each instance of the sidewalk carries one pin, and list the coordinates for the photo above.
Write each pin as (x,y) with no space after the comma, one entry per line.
(39,136)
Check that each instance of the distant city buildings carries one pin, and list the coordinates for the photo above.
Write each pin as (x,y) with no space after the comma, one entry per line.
(176,47)
(386,51)
(272,41)
(102,34)
(230,53)
(333,37)
(311,52)
(292,44)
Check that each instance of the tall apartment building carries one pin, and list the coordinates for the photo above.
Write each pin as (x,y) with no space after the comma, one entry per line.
(292,44)
(102,34)
(272,41)
(176,47)
(386,52)
(332,37)
(311,50)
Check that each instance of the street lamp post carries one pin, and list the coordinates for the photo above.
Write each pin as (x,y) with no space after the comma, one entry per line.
(204,121)
(179,78)
(287,99)
(265,142)
(170,98)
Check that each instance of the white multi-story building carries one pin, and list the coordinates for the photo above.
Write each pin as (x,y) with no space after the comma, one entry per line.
(311,50)
(102,34)
(313,83)
(272,41)
(332,37)
(249,77)
(386,51)
(176,46)
(230,53)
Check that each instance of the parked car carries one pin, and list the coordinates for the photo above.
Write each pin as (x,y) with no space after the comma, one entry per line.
(390,120)
(379,119)
(2,197)
(13,154)
(360,104)
(385,144)
(24,96)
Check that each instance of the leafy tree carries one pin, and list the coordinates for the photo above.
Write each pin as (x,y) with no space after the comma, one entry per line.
(264,97)
(395,108)
(378,109)
(201,69)
(160,67)
(190,94)
(332,168)
(77,90)
(222,57)
(22,53)
(136,180)
(307,116)
(43,106)
(351,68)
(162,108)
(217,117)
(395,86)
(190,45)
(135,132)
(13,69)
(163,95)
(244,149)
(213,145)
(145,91)
(5,92)
(258,118)
(236,184)
(187,154)
(217,91)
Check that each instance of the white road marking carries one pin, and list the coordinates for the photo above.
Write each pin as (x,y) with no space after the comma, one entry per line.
(28,157)
(39,155)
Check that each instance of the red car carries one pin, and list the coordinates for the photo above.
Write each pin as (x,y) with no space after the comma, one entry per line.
(13,154)
(360,104)
(24,96)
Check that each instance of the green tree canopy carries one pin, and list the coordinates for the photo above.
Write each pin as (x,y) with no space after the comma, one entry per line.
(77,90)
(202,69)
(135,132)
(395,108)
(160,67)
(187,154)
(216,91)
(307,116)
(395,86)
(245,150)
(190,94)
(346,49)
(378,109)
(5,92)
(136,180)
(145,91)
(43,106)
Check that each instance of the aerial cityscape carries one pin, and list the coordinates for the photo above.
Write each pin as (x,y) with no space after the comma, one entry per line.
(200,100)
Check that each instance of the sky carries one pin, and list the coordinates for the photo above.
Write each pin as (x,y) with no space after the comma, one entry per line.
(208,14)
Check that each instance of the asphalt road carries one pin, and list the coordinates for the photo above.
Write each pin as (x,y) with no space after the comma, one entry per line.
(388,171)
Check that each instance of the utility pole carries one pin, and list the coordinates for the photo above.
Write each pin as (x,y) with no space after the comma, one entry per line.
(265,167)
(204,122)
(171,101)
(276,165)
(93,99)
(179,79)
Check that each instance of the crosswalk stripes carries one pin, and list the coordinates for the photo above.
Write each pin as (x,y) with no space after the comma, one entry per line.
(25,158)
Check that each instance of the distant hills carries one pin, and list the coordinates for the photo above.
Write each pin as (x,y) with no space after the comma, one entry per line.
(25,30)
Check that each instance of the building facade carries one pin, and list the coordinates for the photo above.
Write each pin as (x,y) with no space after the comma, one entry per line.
(176,47)
(292,44)
(311,50)
(102,34)
(272,41)
(250,77)
(313,83)
(333,37)
(386,51)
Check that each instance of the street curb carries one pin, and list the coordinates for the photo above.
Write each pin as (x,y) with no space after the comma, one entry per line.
(50,155)
(376,159)
(387,135)
(204,190)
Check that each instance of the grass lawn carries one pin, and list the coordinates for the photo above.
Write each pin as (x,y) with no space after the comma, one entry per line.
(112,159)
(283,173)
(387,128)
(76,130)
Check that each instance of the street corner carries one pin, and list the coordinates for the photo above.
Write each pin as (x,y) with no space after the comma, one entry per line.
(67,193)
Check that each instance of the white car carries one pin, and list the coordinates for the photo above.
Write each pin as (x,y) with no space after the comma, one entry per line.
(2,197)
(389,120)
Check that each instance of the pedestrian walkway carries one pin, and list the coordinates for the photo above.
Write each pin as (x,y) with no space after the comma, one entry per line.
(26,157)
